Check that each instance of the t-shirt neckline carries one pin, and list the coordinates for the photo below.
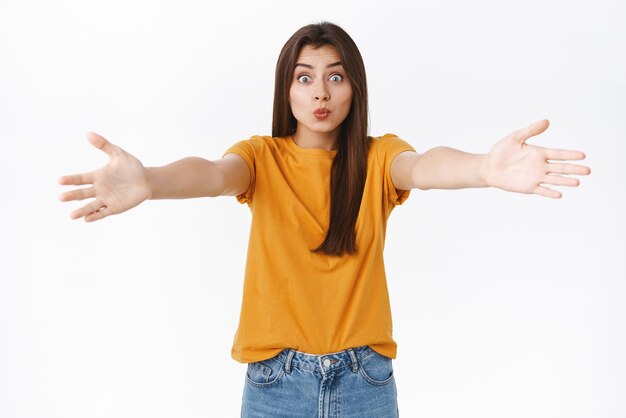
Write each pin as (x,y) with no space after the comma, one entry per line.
(315,152)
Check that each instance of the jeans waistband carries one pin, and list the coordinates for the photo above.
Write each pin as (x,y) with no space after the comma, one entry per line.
(323,363)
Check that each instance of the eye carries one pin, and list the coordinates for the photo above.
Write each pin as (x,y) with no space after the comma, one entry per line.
(304,79)
(336,77)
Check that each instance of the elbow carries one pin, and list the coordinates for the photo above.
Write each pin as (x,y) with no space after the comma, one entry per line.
(216,184)
(417,179)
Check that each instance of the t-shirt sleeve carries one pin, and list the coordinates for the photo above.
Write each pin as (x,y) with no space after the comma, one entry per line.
(248,149)
(389,147)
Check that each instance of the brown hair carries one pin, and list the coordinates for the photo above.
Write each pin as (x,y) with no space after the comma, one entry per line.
(349,168)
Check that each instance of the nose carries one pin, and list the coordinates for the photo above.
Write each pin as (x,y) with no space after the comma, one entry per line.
(321,92)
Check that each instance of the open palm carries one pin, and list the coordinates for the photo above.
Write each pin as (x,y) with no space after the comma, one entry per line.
(118,186)
(516,166)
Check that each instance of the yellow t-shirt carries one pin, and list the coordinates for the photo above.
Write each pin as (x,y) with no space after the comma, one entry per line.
(292,297)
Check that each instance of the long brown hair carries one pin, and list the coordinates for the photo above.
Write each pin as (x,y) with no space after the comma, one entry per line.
(349,168)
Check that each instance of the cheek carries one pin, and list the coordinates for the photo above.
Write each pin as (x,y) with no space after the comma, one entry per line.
(347,98)
(346,94)
(292,93)
(295,99)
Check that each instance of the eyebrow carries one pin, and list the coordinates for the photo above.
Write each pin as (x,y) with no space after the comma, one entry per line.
(334,64)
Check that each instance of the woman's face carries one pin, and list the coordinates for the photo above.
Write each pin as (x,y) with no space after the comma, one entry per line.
(319,81)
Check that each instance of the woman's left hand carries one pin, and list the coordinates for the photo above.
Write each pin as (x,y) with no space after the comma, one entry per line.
(516,166)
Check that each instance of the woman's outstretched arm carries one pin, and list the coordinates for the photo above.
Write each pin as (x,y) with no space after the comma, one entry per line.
(124,182)
(197,177)
(511,165)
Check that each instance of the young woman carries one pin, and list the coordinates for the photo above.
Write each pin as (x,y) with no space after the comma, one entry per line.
(315,326)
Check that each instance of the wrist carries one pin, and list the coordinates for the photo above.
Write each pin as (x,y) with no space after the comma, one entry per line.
(483,171)
(151,181)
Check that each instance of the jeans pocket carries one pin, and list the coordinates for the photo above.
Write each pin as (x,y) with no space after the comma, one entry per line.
(265,373)
(376,369)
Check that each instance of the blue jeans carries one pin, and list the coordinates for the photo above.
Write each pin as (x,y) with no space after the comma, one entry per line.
(356,383)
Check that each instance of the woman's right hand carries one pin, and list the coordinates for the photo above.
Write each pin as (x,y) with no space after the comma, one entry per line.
(120,185)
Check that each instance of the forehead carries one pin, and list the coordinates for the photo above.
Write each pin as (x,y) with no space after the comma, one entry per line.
(323,54)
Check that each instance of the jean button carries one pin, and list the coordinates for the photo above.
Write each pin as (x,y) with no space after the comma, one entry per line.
(326,362)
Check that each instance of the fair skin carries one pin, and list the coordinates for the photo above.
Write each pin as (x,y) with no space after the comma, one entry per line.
(319,80)
(511,163)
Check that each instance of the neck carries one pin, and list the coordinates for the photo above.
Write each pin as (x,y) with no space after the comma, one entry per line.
(305,138)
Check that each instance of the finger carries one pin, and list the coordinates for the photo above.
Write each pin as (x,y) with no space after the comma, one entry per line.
(99,214)
(100,142)
(560,180)
(79,194)
(564,168)
(544,191)
(76,179)
(531,130)
(87,209)
(564,154)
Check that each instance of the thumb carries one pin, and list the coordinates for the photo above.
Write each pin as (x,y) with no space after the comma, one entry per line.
(531,130)
(100,142)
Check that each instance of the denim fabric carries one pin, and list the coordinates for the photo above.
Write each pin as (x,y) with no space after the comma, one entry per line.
(354,383)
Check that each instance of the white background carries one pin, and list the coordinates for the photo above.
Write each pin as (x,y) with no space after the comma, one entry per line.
(504,305)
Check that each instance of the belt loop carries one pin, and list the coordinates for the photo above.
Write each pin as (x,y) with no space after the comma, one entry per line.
(288,361)
(355,362)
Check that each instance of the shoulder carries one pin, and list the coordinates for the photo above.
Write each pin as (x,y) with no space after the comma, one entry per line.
(388,140)
(384,138)
(256,143)
(261,140)
(387,146)
(267,141)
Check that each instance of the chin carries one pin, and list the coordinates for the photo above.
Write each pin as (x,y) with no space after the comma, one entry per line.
(323,131)
(320,129)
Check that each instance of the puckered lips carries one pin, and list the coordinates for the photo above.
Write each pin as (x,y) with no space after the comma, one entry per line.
(321,113)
